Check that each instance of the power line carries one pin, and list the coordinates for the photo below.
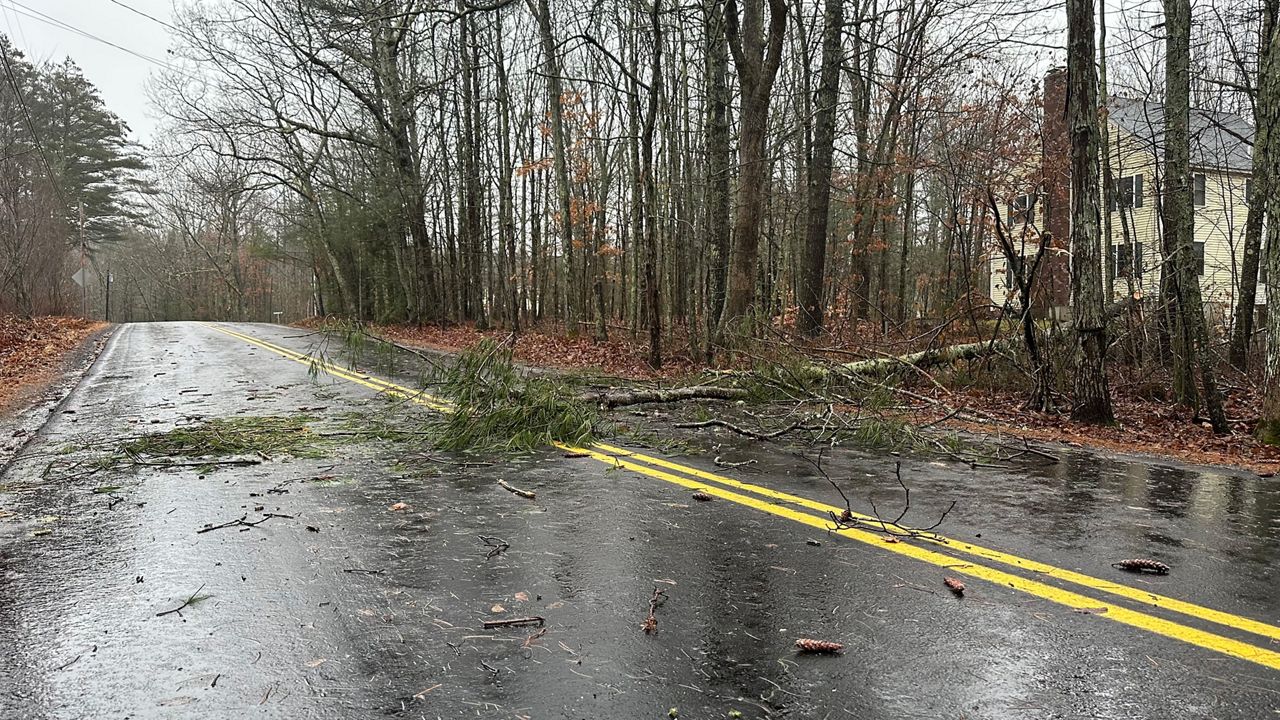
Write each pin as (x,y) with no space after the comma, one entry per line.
(34,14)
(152,18)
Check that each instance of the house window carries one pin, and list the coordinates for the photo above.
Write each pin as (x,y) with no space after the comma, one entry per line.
(1127,263)
(1022,211)
(1198,189)
(1199,255)
(1128,192)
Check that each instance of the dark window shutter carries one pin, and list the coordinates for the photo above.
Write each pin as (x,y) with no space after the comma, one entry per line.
(1137,191)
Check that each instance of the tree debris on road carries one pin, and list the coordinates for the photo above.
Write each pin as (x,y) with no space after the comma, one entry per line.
(819,647)
(527,494)
(1142,565)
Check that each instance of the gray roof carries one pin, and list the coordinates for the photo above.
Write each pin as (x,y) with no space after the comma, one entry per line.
(1218,140)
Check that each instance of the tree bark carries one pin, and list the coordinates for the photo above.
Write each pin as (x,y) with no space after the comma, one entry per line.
(651,294)
(1092,401)
(1259,191)
(756,58)
(559,151)
(1189,332)
(716,136)
(1268,105)
(813,265)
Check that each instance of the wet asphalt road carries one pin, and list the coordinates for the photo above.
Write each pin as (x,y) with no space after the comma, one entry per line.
(348,609)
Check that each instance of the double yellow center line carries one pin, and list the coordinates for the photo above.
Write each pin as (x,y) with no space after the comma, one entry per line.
(815,514)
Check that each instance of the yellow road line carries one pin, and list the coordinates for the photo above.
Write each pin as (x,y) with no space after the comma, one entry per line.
(614,456)
(1076,601)
(378,384)
(1131,593)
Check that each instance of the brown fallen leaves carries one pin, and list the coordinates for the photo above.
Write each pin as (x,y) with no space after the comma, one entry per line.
(619,355)
(1148,426)
(954,586)
(33,349)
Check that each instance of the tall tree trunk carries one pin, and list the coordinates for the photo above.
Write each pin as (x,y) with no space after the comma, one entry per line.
(1259,191)
(651,294)
(1189,332)
(756,58)
(1267,157)
(814,263)
(509,280)
(559,151)
(715,230)
(1092,396)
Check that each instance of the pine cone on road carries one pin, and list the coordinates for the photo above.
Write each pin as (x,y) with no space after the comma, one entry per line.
(808,645)
(1143,565)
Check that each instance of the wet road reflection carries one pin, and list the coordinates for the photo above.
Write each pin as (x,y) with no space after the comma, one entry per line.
(379,612)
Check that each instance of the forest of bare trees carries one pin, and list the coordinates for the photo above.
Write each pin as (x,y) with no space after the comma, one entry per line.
(687,173)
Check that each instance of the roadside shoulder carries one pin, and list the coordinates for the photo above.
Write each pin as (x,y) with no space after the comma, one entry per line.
(25,407)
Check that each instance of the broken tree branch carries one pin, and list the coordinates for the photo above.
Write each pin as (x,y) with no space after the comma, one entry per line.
(514,622)
(608,400)
(527,494)
(496,546)
(797,425)
(194,598)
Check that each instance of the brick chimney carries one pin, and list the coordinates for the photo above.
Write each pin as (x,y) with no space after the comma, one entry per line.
(1056,167)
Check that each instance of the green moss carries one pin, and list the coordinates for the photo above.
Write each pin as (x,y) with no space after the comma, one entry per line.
(1268,431)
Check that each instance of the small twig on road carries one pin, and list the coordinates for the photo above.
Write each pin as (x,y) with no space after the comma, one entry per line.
(229,523)
(528,642)
(650,624)
(201,463)
(456,463)
(514,622)
(69,663)
(527,494)
(496,546)
(243,523)
(193,599)
(847,518)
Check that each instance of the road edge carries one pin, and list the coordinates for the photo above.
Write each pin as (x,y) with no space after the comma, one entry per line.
(30,417)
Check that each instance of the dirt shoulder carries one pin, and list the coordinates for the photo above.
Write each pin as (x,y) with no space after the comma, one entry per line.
(34,352)
(1151,427)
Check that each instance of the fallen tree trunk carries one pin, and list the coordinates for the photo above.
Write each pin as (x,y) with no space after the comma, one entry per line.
(945,355)
(609,400)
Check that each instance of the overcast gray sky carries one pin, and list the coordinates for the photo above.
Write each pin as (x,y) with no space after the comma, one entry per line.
(120,76)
